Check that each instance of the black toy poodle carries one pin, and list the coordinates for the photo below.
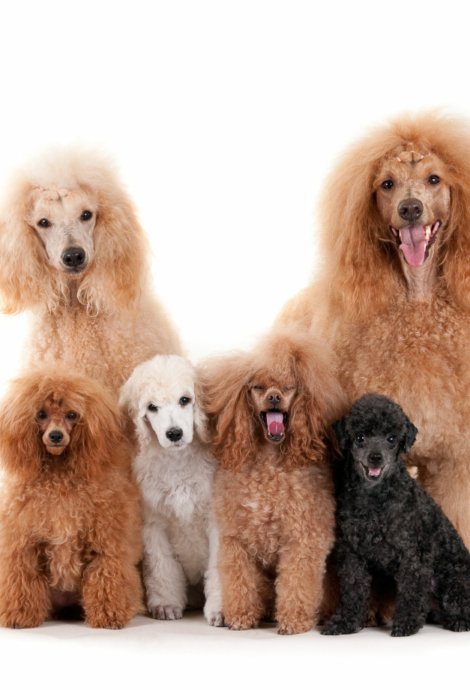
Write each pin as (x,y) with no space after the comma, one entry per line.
(387,525)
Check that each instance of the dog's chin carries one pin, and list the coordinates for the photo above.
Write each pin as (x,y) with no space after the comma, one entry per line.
(55,450)
(175,447)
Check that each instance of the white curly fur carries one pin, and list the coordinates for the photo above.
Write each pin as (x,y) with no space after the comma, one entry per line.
(175,477)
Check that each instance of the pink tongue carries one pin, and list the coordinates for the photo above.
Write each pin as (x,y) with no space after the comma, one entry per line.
(275,423)
(413,245)
(374,471)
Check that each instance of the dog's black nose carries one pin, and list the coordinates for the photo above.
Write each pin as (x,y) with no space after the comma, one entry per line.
(174,434)
(56,436)
(274,399)
(73,257)
(375,458)
(410,209)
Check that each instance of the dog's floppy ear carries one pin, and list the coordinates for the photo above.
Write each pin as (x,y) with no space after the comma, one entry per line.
(410,435)
(339,430)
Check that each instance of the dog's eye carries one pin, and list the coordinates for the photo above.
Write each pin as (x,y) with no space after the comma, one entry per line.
(434,179)
(152,408)
(184,401)
(391,439)
(71,416)
(41,414)
(44,223)
(259,388)
(86,215)
(387,184)
(359,438)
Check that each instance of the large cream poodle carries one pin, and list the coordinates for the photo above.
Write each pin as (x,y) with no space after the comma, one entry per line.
(73,252)
(394,295)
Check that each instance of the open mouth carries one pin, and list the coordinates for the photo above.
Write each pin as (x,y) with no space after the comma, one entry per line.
(274,423)
(415,241)
(372,473)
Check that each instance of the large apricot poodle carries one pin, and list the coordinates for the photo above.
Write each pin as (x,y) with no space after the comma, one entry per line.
(70,516)
(273,495)
(73,252)
(394,296)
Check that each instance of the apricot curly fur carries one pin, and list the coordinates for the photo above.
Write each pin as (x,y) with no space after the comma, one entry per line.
(70,528)
(103,320)
(413,348)
(273,504)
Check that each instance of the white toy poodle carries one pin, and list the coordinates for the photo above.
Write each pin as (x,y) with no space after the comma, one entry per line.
(174,469)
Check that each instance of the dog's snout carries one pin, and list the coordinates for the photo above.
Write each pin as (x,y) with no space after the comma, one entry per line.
(375,458)
(274,398)
(56,436)
(174,434)
(410,209)
(74,257)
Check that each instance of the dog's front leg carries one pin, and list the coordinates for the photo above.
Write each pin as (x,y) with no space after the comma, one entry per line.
(244,592)
(212,587)
(25,600)
(164,578)
(355,584)
(414,584)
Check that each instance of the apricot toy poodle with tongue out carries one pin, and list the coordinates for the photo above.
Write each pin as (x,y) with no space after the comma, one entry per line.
(273,497)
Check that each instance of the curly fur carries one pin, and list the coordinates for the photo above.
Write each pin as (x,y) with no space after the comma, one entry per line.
(70,528)
(391,337)
(103,320)
(387,524)
(273,502)
(175,478)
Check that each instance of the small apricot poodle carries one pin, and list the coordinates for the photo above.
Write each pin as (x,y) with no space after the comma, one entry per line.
(70,519)
(268,415)
(388,525)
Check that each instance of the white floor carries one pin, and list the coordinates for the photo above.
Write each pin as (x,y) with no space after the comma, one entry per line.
(190,653)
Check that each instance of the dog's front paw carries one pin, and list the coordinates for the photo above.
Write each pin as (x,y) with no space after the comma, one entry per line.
(111,620)
(167,612)
(215,618)
(405,628)
(293,628)
(457,624)
(243,622)
(337,625)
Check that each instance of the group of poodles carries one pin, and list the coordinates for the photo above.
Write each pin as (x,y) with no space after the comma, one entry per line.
(322,478)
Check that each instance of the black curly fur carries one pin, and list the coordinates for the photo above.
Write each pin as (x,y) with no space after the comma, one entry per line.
(388,525)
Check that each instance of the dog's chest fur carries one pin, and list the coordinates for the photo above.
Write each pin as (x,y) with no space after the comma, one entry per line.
(407,354)
(259,505)
(383,525)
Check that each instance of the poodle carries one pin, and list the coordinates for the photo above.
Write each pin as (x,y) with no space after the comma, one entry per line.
(174,469)
(273,496)
(70,522)
(393,299)
(73,253)
(387,524)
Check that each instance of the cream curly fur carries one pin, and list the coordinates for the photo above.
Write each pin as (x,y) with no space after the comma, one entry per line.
(398,330)
(102,320)
(175,478)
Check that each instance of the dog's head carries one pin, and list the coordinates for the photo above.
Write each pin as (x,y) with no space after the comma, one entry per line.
(396,210)
(69,227)
(54,421)
(373,437)
(413,196)
(160,398)
(283,394)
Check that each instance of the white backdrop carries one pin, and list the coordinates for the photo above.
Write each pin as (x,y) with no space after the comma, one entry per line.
(224,118)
